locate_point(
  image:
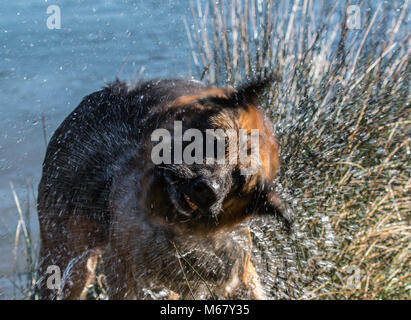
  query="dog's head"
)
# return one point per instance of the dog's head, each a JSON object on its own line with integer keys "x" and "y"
{"x": 215, "y": 159}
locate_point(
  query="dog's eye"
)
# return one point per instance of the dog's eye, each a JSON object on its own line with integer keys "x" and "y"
{"x": 238, "y": 179}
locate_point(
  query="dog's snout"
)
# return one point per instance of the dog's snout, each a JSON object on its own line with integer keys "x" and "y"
{"x": 204, "y": 192}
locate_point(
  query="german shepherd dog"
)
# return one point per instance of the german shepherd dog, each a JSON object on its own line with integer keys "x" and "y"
{"x": 164, "y": 231}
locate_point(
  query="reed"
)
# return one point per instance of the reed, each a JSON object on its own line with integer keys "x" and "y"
{"x": 26, "y": 246}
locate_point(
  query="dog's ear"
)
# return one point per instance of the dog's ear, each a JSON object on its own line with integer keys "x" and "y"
{"x": 251, "y": 91}
{"x": 269, "y": 203}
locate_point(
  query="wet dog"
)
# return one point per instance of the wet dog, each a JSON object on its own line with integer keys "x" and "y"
{"x": 165, "y": 230}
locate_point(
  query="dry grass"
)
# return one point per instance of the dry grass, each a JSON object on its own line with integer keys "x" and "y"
{"x": 25, "y": 246}
{"x": 341, "y": 114}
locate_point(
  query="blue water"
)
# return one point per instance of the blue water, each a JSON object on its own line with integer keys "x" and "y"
{"x": 56, "y": 68}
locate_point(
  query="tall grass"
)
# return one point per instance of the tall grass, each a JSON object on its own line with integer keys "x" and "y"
{"x": 25, "y": 243}
{"x": 25, "y": 246}
{"x": 341, "y": 114}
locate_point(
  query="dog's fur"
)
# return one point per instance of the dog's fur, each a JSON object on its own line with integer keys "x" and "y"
{"x": 101, "y": 193}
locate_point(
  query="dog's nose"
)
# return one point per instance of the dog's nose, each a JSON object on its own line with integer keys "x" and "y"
{"x": 204, "y": 192}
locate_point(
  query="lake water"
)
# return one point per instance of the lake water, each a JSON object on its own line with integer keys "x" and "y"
{"x": 57, "y": 68}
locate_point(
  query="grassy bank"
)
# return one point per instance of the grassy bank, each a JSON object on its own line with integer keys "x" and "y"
{"x": 340, "y": 113}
